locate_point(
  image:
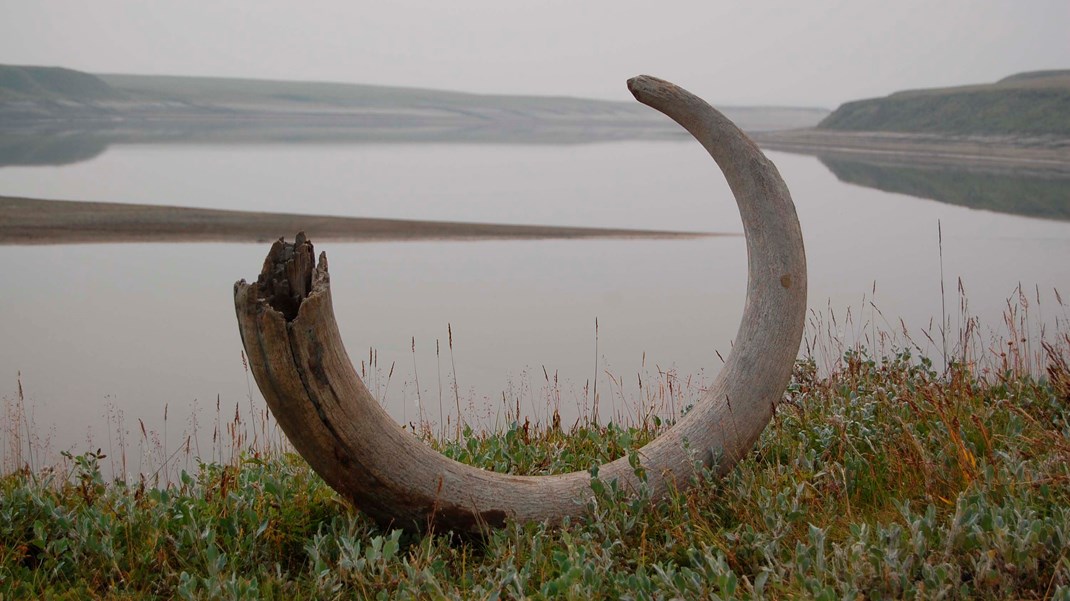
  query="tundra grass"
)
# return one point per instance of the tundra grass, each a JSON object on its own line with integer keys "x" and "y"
{"x": 882, "y": 479}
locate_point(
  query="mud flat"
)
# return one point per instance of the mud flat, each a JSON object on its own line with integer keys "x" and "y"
{"x": 37, "y": 221}
{"x": 1040, "y": 153}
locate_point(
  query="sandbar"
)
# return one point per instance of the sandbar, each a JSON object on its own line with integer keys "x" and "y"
{"x": 38, "y": 221}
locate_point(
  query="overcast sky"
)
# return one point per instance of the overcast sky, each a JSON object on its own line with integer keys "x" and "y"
{"x": 808, "y": 53}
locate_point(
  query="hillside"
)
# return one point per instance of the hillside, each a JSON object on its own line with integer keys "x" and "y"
{"x": 52, "y": 84}
{"x": 1026, "y": 104}
{"x": 296, "y": 95}
{"x": 32, "y": 96}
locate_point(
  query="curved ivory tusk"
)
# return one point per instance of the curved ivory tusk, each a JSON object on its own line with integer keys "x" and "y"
{"x": 296, "y": 354}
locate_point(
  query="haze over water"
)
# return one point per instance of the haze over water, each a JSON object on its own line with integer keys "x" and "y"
{"x": 132, "y": 327}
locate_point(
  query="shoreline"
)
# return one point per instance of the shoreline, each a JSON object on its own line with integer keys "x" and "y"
{"x": 1043, "y": 155}
{"x": 31, "y": 221}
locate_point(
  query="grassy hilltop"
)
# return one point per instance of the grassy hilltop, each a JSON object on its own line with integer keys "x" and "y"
{"x": 1035, "y": 103}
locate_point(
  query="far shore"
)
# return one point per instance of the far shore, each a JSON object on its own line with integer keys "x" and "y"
{"x": 27, "y": 221}
{"x": 1040, "y": 154}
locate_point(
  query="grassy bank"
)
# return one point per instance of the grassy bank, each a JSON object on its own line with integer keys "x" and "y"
{"x": 1026, "y": 104}
{"x": 884, "y": 477}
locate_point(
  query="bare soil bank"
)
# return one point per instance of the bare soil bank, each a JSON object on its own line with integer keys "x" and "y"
{"x": 1036, "y": 153}
{"x": 36, "y": 221}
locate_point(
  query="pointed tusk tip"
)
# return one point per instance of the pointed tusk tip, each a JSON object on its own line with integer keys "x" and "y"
{"x": 638, "y": 84}
{"x": 647, "y": 86}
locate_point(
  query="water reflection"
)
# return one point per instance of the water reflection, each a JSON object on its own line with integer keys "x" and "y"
{"x": 143, "y": 329}
{"x": 1042, "y": 194}
{"x": 55, "y": 147}
{"x": 51, "y": 150}
{"x": 1038, "y": 193}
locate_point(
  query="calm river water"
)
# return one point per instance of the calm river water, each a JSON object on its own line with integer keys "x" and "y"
{"x": 103, "y": 331}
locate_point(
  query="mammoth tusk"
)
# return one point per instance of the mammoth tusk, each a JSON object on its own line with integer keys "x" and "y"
{"x": 295, "y": 351}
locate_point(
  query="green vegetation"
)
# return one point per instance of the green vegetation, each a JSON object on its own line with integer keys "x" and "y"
{"x": 1024, "y": 104}
{"x": 1046, "y": 197}
{"x": 882, "y": 479}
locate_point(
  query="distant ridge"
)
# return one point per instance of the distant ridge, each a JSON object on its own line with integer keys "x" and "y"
{"x": 1051, "y": 74}
{"x": 32, "y": 97}
{"x": 52, "y": 83}
{"x": 1035, "y": 103}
